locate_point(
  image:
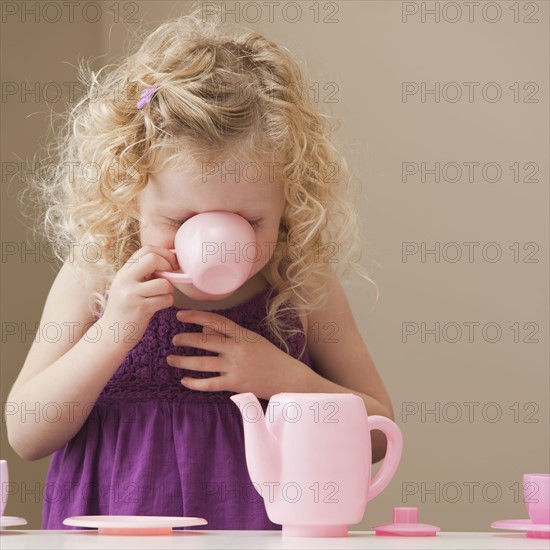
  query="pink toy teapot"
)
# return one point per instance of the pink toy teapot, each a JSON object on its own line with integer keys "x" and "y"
{"x": 310, "y": 458}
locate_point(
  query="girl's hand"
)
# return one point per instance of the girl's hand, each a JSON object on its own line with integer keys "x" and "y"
{"x": 135, "y": 294}
{"x": 247, "y": 362}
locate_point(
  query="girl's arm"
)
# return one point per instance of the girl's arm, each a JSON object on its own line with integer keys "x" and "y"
{"x": 342, "y": 361}
{"x": 70, "y": 361}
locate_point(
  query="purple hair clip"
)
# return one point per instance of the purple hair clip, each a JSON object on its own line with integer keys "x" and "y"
{"x": 146, "y": 96}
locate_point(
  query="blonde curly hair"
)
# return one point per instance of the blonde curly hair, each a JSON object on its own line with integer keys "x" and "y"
{"x": 217, "y": 96}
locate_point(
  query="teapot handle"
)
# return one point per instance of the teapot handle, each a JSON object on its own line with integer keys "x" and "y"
{"x": 393, "y": 453}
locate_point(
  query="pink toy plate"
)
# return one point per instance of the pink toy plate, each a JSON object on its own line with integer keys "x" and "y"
{"x": 133, "y": 525}
{"x": 534, "y": 530}
{"x": 9, "y": 521}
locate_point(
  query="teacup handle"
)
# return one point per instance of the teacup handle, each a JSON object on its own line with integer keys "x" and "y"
{"x": 174, "y": 277}
{"x": 393, "y": 453}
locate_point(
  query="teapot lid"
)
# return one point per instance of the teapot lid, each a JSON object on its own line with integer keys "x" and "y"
{"x": 405, "y": 524}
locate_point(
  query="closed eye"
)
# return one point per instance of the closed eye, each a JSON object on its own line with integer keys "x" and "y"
{"x": 176, "y": 223}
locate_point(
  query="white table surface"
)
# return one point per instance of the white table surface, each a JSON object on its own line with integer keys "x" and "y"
{"x": 14, "y": 539}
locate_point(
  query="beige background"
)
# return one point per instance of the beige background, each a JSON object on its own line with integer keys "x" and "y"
{"x": 462, "y": 473}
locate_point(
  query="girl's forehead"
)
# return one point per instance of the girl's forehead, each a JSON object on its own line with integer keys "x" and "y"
{"x": 255, "y": 175}
{"x": 215, "y": 186}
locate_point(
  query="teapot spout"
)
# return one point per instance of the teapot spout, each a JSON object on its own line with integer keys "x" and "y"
{"x": 261, "y": 448}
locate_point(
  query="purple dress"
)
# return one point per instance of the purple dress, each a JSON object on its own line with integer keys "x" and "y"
{"x": 152, "y": 447}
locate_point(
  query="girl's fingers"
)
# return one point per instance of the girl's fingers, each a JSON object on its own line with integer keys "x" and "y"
{"x": 211, "y": 341}
{"x": 152, "y": 258}
{"x": 214, "y": 383}
{"x": 198, "y": 363}
{"x": 212, "y": 322}
{"x": 156, "y": 287}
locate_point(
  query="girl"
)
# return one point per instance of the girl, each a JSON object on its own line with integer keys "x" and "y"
{"x": 141, "y": 375}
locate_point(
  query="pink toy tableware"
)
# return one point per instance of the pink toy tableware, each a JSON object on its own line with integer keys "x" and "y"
{"x": 4, "y": 480}
{"x": 533, "y": 530}
{"x": 215, "y": 251}
{"x": 133, "y": 525}
{"x": 7, "y": 521}
{"x": 11, "y": 521}
{"x": 405, "y": 524}
{"x": 536, "y": 493}
{"x": 310, "y": 459}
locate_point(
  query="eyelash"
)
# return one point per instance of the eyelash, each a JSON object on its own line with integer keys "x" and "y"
{"x": 177, "y": 223}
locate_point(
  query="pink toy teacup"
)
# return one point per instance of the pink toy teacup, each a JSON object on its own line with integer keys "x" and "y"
{"x": 536, "y": 492}
{"x": 212, "y": 252}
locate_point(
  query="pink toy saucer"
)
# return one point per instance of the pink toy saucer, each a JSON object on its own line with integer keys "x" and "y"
{"x": 9, "y": 521}
{"x": 534, "y": 530}
{"x": 405, "y": 524}
{"x": 133, "y": 525}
